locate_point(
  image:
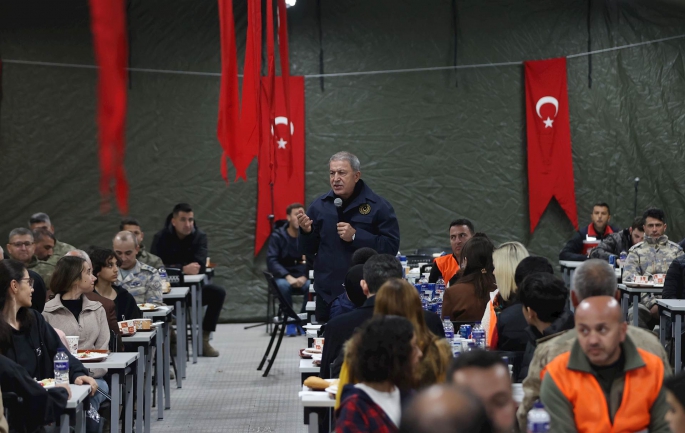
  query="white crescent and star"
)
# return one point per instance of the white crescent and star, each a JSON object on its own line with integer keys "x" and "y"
{"x": 547, "y": 100}
{"x": 282, "y": 120}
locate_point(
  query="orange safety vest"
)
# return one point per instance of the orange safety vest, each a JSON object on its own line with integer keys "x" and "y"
{"x": 491, "y": 332}
{"x": 590, "y": 408}
{"x": 448, "y": 266}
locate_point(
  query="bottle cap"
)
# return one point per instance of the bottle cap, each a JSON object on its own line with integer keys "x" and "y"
{"x": 538, "y": 405}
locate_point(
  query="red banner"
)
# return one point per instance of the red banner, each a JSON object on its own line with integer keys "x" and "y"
{"x": 550, "y": 163}
{"x": 108, "y": 25}
{"x": 281, "y": 139}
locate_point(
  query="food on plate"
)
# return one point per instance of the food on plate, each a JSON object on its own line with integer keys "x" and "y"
{"x": 316, "y": 383}
{"x": 47, "y": 383}
{"x": 147, "y": 306}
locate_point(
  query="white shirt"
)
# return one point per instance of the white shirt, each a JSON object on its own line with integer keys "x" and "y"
{"x": 388, "y": 401}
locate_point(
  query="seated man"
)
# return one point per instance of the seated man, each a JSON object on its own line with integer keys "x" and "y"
{"x": 45, "y": 244}
{"x": 487, "y": 376}
{"x": 354, "y": 296}
{"x": 285, "y": 262}
{"x": 652, "y": 256}
{"x": 598, "y": 229}
{"x": 180, "y": 244}
{"x": 616, "y": 243}
{"x": 593, "y": 278}
{"x": 140, "y": 280}
{"x": 629, "y": 397}
{"x": 545, "y": 299}
{"x": 447, "y": 266}
{"x": 22, "y": 247}
{"x": 42, "y": 220}
{"x": 132, "y": 225}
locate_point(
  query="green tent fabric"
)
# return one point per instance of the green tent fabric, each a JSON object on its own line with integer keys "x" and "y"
{"x": 434, "y": 149}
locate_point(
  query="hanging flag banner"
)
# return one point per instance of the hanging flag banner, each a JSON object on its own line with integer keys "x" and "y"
{"x": 550, "y": 162}
{"x": 279, "y": 184}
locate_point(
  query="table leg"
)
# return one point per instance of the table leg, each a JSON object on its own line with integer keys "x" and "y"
{"x": 180, "y": 356}
{"x": 128, "y": 380}
{"x": 160, "y": 374}
{"x": 662, "y": 328}
{"x": 80, "y": 424}
{"x": 64, "y": 423}
{"x": 140, "y": 378}
{"x": 625, "y": 299}
{"x": 167, "y": 363}
{"x": 678, "y": 347}
{"x": 116, "y": 402}
{"x": 313, "y": 422}
{"x": 570, "y": 278}
{"x": 636, "y": 302}
{"x": 193, "y": 320}
{"x": 148, "y": 389}
{"x": 200, "y": 311}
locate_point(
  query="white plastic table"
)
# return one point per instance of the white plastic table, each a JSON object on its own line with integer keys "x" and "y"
{"x": 178, "y": 295}
{"x": 567, "y": 269}
{"x": 675, "y": 309}
{"x": 75, "y": 408}
{"x": 315, "y": 404}
{"x": 162, "y": 343}
{"x": 195, "y": 282}
{"x": 627, "y": 292}
{"x": 143, "y": 341}
{"x": 120, "y": 364}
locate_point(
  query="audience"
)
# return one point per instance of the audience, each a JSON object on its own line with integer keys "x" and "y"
{"x": 652, "y": 256}
{"x": 505, "y": 259}
{"x": 466, "y": 299}
{"x": 599, "y": 228}
{"x": 75, "y": 314}
{"x": 140, "y": 280}
{"x": 383, "y": 354}
{"x": 45, "y": 244}
{"x": 545, "y": 300}
{"x": 40, "y": 292}
{"x": 447, "y": 266}
{"x": 360, "y": 256}
{"x": 487, "y": 376}
{"x": 106, "y": 270}
{"x": 132, "y": 225}
{"x": 21, "y": 247}
{"x": 593, "y": 278}
{"x": 675, "y": 397}
{"x": 616, "y": 243}
{"x": 444, "y": 409}
{"x": 41, "y": 220}
{"x": 353, "y": 297}
{"x": 286, "y": 263}
{"x": 604, "y": 354}
{"x": 180, "y": 244}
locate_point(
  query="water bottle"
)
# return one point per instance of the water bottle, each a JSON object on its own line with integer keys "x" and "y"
{"x": 440, "y": 288}
{"x": 478, "y": 334}
{"x": 438, "y": 308}
{"x": 165, "y": 278}
{"x": 61, "y": 364}
{"x": 538, "y": 419}
{"x": 622, "y": 259}
{"x": 405, "y": 266}
{"x": 449, "y": 328}
{"x": 456, "y": 345}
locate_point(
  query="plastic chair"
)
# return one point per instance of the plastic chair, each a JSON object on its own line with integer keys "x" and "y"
{"x": 286, "y": 316}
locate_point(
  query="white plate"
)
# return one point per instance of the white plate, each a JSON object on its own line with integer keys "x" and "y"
{"x": 333, "y": 390}
{"x": 315, "y": 327}
{"x": 91, "y": 357}
{"x": 50, "y": 384}
{"x": 148, "y": 307}
{"x": 312, "y": 351}
{"x": 645, "y": 285}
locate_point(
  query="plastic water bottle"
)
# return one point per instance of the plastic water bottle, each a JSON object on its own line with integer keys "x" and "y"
{"x": 449, "y": 328}
{"x": 456, "y": 346}
{"x": 622, "y": 259}
{"x": 478, "y": 334}
{"x": 538, "y": 419}
{"x": 61, "y": 365}
{"x": 405, "y": 266}
{"x": 440, "y": 288}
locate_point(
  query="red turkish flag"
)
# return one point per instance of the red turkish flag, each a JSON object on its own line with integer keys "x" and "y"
{"x": 550, "y": 163}
{"x": 280, "y": 143}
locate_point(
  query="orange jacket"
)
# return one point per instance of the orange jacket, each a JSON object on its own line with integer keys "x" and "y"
{"x": 448, "y": 266}
{"x": 590, "y": 409}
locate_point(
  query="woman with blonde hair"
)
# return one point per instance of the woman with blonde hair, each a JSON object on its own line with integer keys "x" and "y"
{"x": 505, "y": 258}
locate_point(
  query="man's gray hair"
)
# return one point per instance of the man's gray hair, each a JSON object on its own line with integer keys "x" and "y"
{"x": 80, "y": 253}
{"x": 594, "y": 277}
{"x": 347, "y": 156}
{"x": 40, "y": 217}
{"x": 20, "y": 231}
{"x": 126, "y": 236}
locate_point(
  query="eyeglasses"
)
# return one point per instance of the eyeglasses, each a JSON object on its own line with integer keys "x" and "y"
{"x": 30, "y": 280}
{"x": 21, "y": 244}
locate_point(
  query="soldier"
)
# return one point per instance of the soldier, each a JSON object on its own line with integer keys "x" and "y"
{"x": 45, "y": 244}
{"x": 144, "y": 256}
{"x": 652, "y": 256}
{"x": 615, "y": 243}
{"x": 41, "y": 220}
{"x": 141, "y": 280}
{"x": 21, "y": 247}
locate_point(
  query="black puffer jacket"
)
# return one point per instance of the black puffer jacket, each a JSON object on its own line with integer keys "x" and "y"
{"x": 176, "y": 252}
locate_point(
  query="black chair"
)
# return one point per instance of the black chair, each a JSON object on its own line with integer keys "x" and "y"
{"x": 11, "y": 403}
{"x": 286, "y": 316}
{"x": 413, "y": 260}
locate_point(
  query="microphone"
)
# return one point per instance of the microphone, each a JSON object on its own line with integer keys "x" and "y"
{"x": 637, "y": 181}
{"x": 338, "y": 205}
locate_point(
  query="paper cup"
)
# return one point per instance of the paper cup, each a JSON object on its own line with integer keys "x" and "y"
{"x": 143, "y": 324}
{"x": 72, "y": 341}
{"x": 127, "y": 327}
{"x": 659, "y": 278}
{"x": 641, "y": 279}
{"x": 318, "y": 343}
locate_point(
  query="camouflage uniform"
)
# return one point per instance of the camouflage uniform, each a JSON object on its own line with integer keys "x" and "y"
{"x": 44, "y": 269}
{"x": 149, "y": 259}
{"x": 144, "y": 283}
{"x": 652, "y": 256}
{"x": 61, "y": 249}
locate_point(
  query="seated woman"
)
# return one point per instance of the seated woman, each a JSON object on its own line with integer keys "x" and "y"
{"x": 512, "y": 335}
{"x": 399, "y": 298}
{"x": 106, "y": 268}
{"x": 75, "y": 314}
{"x": 465, "y": 300}
{"x": 26, "y": 338}
{"x": 382, "y": 356}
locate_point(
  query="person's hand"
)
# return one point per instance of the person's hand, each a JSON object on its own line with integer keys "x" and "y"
{"x": 192, "y": 268}
{"x": 346, "y": 231}
{"x": 87, "y": 380}
{"x": 292, "y": 281}
{"x": 304, "y": 221}
{"x": 65, "y": 386}
{"x": 302, "y": 280}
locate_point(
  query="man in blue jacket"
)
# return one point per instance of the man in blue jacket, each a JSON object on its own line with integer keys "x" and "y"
{"x": 333, "y": 233}
{"x": 285, "y": 262}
